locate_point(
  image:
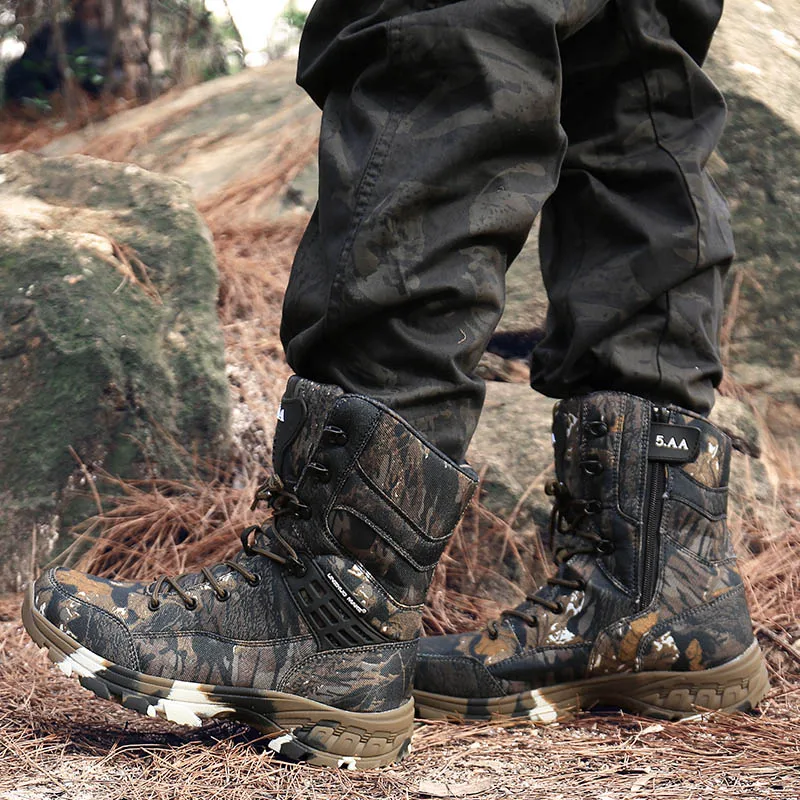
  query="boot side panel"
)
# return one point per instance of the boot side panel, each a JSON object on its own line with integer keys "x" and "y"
{"x": 396, "y": 504}
{"x": 204, "y": 658}
{"x": 360, "y": 592}
{"x": 700, "y": 638}
{"x": 696, "y": 567}
{"x": 374, "y": 678}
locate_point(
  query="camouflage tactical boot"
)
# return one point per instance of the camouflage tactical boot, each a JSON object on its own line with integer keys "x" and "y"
{"x": 647, "y": 610}
{"x": 311, "y": 631}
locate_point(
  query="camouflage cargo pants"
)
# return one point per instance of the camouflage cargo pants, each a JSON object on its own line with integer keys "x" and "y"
{"x": 447, "y": 127}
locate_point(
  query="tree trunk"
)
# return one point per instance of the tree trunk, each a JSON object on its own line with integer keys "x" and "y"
{"x": 59, "y": 47}
{"x": 30, "y": 14}
{"x": 134, "y": 47}
{"x": 182, "y": 45}
{"x": 127, "y": 26}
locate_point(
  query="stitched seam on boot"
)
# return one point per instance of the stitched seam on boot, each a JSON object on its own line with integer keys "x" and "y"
{"x": 691, "y": 553}
{"x": 377, "y": 586}
{"x": 666, "y": 535}
{"x": 670, "y": 622}
{"x": 392, "y": 544}
{"x": 585, "y": 645}
{"x": 689, "y": 503}
{"x": 481, "y": 671}
{"x": 702, "y": 485}
{"x": 390, "y": 412}
{"x": 388, "y": 500}
{"x": 325, "y": 527}
{"x": 222, "y": 639}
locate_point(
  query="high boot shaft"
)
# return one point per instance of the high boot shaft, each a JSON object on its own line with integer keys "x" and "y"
{"x": 377, "y": 504}
{"x": 311, "y": 629}
{"x": 639, "y": 523}
{"x": 655, "y": 483}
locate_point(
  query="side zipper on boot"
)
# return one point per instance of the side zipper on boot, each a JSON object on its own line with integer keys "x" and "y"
{"x": 651, "y": 545}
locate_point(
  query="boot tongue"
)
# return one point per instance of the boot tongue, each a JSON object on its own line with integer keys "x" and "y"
{"x": 291, "y": 416}
{"x": 301, "y": 417}
{"x": 566, "y": 440}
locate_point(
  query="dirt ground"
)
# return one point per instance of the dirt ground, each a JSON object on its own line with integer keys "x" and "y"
{"x": 58, "y": 742}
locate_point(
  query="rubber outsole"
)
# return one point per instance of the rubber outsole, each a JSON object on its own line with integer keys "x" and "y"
{"x": 738, "y": 685}
{"x": 306, "y": 731}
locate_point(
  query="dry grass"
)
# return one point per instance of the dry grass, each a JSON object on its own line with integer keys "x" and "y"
{"x": 26, "y": 129}
{"x": 57, "y": 741}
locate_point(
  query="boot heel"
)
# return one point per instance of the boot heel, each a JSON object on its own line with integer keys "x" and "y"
{"x": 345, "y": 738}
{"x": 738, "y": 685}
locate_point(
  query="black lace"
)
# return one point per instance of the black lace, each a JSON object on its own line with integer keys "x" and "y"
{"x": 566, "y": 518}
{"x": 283, "y": 503}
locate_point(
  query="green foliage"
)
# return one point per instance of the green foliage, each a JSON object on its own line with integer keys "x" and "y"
{"x": 297, "y": 19}
{"x": 84, "y": 68}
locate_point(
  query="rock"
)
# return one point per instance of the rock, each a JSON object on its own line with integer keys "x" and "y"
{"x": 217, "y": 135}
{"x": 738, "y": 421}
{"x": 496, "y": 368}
{"x": 526, "y": 298}
{"x": 109, "y": 342}
{"x": 512, "y": 451}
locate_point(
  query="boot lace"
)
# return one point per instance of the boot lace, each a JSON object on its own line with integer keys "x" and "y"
{"x": 283, "y": 503}
{"x": 566, "y": 519}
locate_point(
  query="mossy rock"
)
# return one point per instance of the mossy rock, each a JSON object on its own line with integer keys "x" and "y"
{"x": 111, "y": 352}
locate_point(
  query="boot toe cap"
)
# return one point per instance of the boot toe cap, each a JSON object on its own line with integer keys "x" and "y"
{"x": 59, "y": 597}
{"x": 442, "y": 670}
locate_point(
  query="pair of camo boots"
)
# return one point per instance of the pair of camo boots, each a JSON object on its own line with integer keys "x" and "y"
{"x": 311, "y": 632}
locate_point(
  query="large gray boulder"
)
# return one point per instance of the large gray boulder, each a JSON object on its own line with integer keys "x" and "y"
{"x": 111, "y": 354}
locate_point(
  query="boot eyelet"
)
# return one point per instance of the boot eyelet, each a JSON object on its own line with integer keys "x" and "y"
{"x": 581, "y": 587}
{"x": 224, "y": 596}
{"x": 334, "y": 436}
{"x": 559, "y": 608}
{"x": 153, "y": 605}
{"x": 593, "y": 507}
{"x": 592, "y": 467}
{"x": 254, "y": 581}
{"x": 596, "y": 428}
{"x": 303, "y": 512}
{"x": 553, "y": 488}
{"x": 192, "y": 604}
{"x": 298, "y": 568}
{"x": 321, "y": 471}
{"x": 605, "y": 547}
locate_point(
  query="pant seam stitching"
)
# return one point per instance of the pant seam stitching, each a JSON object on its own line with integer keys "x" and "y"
{"x": 369, "y": 178}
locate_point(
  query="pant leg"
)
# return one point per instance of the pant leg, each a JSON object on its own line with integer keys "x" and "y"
{"x": 636, "y": 240}
{"x": 440, "y": 142}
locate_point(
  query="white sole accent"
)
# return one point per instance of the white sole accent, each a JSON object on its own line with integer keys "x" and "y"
{"x": 279, "y": 741}
{"x": 543, "y": 711}
{"x": 186, "y": 703}
{"x": 82, "y": 662}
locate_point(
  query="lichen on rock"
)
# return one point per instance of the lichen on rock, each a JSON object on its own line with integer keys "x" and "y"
{"x": 110, "y": 344}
